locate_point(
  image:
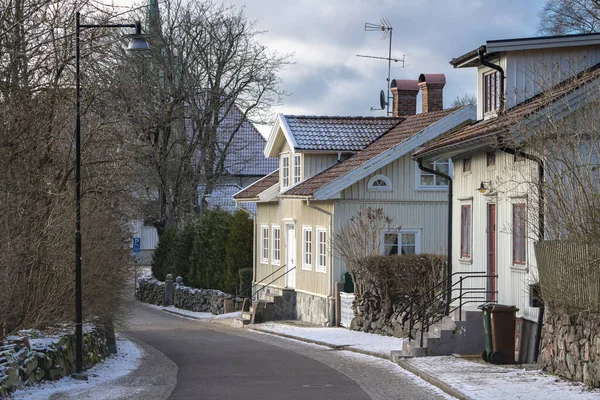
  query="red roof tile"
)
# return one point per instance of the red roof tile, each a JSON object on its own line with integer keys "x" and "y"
{"x": 410, "y": 126}
{"x": 481, "y": 130}
{"x": 252, "y": 191}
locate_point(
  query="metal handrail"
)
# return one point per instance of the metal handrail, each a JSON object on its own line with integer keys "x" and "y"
{"x": 262, "y": 279}
{"x": 265, "y": 286}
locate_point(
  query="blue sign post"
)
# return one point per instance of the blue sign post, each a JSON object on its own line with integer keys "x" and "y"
{"x": 137, "y": 248}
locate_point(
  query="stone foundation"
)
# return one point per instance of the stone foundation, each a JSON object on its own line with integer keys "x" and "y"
{"x": 571, "y": 346}
{"x": 25, "y": 360}
{"x": 312, "y": 308}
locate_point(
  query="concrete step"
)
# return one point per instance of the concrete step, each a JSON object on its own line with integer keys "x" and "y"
{"x": 412, "y": 349}
{"x": 239, "y": 322}
{"x": 246, "y": 316}
{"x": 466, "y": 314}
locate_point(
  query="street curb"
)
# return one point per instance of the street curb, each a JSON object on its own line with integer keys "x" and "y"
{"x": 211, "y": 320}
{"x": 331, "y": 346}
{"x": 433, "y": 380}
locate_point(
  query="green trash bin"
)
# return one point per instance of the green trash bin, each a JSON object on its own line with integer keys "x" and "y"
{"x": 348, "y": 284}
{"x": 487, "y": 330}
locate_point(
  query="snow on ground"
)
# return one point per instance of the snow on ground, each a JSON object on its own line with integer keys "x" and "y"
{"x": 115, "y": 366}
{"x": 367, "y": 342}
{"x": 487, "y": 381}
{"x": 197, "y": 314}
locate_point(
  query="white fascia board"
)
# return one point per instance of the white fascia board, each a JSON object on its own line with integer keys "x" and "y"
{"x": 280, "y": 124}
{"x": 264, "y": 177}
{"x": 541, "y": 43}
{"x": 269, "y": 194}
{"x": 459, "y": 117}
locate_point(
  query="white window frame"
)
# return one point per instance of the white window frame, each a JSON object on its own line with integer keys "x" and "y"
{"x": 386, "y": 188}
{"x": 307, "y": 248}
{"x": 276, "y": 245}
{"x": 285, "y": 171}
{"x": 469, "y": 234}
{"x": 321, "y": 256}
{"x": 297, "y": 168}
{"x": 264, "y": 244}
{"x": 415, "y": 231}
{"x": 418, "y": 173}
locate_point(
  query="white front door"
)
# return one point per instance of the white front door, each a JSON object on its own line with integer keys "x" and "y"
{"x": 290, "y": 253}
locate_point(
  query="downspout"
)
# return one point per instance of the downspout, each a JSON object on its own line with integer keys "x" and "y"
{"x": 331, "y": 266}
{"x": 253, "y": 215}
{"x": 449, "y": 268}
{"x": 497, "y": 68}
{"x": 540, "y": 163}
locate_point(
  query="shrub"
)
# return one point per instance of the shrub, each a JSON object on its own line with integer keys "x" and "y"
{"x": 238, "y": 254}
{"x": 165, "y": 254}
{"x": 245, "y": 277}
{"x": 392, "y": 278}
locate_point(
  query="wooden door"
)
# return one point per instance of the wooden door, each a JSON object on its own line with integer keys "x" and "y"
{"x": 290, "y": 277}
{"x": 493, "y": 287}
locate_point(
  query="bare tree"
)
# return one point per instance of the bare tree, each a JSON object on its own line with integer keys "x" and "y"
{"x": 464, "y": 99}
{"x": 206, "y": 77}
{"x": 562, "y": 17}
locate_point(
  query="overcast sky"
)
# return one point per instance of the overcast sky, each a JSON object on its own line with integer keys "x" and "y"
{"x": 325, "y": 35}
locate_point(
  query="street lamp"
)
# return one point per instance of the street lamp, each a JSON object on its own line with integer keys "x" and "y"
{"x": 137, "y": 43}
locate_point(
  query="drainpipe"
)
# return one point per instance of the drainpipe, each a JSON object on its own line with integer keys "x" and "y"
{"x": 253, "y": 241}
{"x": 331, "y": 267}
{"x": 540, "y": 163}
{"x": 449, "y": 268}
{"x": 497, "y": 68}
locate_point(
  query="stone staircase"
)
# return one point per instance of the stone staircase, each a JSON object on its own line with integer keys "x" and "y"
{"x": 451, "y": 335}
{"x": 274, "y": 305}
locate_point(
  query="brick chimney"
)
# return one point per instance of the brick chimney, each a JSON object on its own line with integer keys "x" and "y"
{"x": 432, "y": 89}
{"x": 405, "y": 97}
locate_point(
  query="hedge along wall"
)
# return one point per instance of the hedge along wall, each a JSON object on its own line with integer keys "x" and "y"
{"x": 187, "y": 298}
{"x": 25, "y": 361}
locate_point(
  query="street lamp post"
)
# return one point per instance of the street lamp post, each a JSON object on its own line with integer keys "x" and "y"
{"x": 137, "y": 43}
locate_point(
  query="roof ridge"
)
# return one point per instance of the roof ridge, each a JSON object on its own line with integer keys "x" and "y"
{"x": 341, "y": 117}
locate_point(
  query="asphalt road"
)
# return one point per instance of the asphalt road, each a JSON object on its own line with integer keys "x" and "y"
{"x": 219, "y": 362}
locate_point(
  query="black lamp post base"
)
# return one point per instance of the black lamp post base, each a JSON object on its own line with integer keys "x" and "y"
{"x": 80, "y": 376}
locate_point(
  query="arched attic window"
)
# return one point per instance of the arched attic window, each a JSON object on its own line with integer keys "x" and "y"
{"x": 379, "y": 183}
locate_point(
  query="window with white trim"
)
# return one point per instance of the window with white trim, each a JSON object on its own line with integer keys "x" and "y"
{"x": 276, "y": 245}
{"x": 321, "y": 250}
{"x": 519, "y": 238}
{"x": 307, "y": 248}
{"x": 465, "y": 231}
{"x": 285, "y": 171}
{"x": 264, "y": 244}
{"x": 296, "y": 177}
{"x": 405, "y": 241}
{"x": 379, "y": 183}
{"x": 490, "y": 92}
{"x": 426, "y": 180}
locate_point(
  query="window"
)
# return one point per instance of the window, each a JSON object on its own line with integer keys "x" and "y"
{"x": 322, "y": 250}
{"x": 425, "y": 180}
{"x": 465, "y": 231}
{"x": 379, "y": 183}
{"x": 406, "y": 241}
{"x": 276, "y": 245}
{"x": 285, "y": 171}
{"x": 490, "y": 91}
{"x": 264, "y": 240}
{"x": 296, "y": 169}
{"x": 518, "y": 235}
{"x": 307, "y": 248}
{"x": 491, "y": 159}
{"x": 467, "y": 165}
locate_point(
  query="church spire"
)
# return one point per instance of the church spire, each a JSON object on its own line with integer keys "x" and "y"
{"x": 153, "y": 20}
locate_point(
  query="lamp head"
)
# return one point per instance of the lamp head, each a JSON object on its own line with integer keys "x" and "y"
{"x": 482, "y": 189}
{"x": 137, "y": 42}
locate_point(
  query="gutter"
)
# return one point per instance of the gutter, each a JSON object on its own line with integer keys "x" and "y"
{"x": 540, "y": 163}
{"x": 481, "y": 52}
{"x": 449, "y": 268}
{"x": 331, "y": 266}
{"x": 253, "y": 240}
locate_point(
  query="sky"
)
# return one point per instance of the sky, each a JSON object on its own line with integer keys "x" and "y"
{"x": 327, "y": 78}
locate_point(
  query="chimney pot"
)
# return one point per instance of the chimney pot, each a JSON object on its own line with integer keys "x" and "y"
{"x": 432, "y": 89}
{"x": 405, "y": 97}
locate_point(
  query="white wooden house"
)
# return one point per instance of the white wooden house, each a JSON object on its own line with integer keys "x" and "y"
{"x": 519, "y": 80}
{"x": 329, "y": 168}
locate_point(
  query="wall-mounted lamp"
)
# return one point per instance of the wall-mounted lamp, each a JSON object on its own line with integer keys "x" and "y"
{"x": 483, "y": 189}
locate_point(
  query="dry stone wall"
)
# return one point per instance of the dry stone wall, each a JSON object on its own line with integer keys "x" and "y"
{"x": 187, "y": 298}
{"x": 25, "y": 360}
{"x": 571, "y": 346}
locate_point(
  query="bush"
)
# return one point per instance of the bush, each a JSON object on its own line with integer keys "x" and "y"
{"x": 393, "y": 278}
{"x": 165, "y": 254}
{"x": 238, "y": 254}
{"x": 245, "y": 276}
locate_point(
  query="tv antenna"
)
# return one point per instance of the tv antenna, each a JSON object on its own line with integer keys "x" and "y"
{"x": 387, "y": 29}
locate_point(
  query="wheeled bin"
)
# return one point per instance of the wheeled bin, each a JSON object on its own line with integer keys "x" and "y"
{"x": 499, "y": 328}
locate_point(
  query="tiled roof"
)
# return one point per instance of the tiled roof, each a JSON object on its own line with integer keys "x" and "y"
{"x": 337, "y": 133}
{"x": 486, "y": 129}
{"x": 252, "y": 191}
{"x": 408, "y": 127}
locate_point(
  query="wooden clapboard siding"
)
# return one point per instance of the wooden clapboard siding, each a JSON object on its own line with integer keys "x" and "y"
{"x": 314, "y": 163}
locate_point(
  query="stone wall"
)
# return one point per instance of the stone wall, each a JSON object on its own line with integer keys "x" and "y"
{"x": 201, "y": 300}
{"x": 368, "y": 317}
{"x": 25, "y": 360}
{"x": 571, "y": 346}
{"x": 312, "y": 308}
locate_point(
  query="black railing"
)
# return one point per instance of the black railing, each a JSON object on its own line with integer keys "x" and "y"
{"x": 251, "y": 288}
{"x": 440, "y": 300}
{"x": 255, "y": 293}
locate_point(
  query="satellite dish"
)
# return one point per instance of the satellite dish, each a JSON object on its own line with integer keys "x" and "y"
{"x": 382, "y": 99}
